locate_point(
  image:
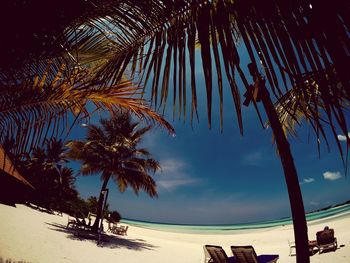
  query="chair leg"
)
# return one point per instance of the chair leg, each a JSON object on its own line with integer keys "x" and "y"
{"x": 291, "y": 250}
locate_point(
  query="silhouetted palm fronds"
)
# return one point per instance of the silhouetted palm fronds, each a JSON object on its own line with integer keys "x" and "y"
{"x": 158, "y": 40}
{"x": 37, "y": 109}
{"x": 318, "y": 98}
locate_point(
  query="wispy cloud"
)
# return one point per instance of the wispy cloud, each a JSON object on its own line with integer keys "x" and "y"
{"x": 307, "y": 180}
{"x": 313, "y": 203}
{"x": 331, "y": 176}
{"x": 343, "y": 137}
{"x": 150, "y": 140}
{"x": 253, "y": 159}
{"x": 173, "y": 165}
{"x": 174, "y": 174}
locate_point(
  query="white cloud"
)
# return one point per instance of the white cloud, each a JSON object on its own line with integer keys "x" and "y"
{"x": 172, "y": 183}
{"x": 172, "y": 166}
{"x": 150, "y": 140}
{"x": 254, "y": 158}
{"x": 331, "y": 176}
{"x": 343, "y": 137}
{"x": 307, "y": 180}
{"x": 174, "y": 174}
{"x": 313, "y": 203}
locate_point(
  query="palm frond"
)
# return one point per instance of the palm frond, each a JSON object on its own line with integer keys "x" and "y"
{"x": 155, "y": 40}
{"x": 111, "y": 149}
{"x": 157, "y": 37}
{"x": 309, "y": 100}
{"x": 38, "y": 109}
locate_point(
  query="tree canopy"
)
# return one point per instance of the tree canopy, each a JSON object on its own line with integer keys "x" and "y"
{"x": 112, "y": 150}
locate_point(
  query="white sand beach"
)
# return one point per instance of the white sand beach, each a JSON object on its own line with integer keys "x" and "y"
{"x": 34, "y": 236}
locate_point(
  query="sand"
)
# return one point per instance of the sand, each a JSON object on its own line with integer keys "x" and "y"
{"x": 34, "y": 236}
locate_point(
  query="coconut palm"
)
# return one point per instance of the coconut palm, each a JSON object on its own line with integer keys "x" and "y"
{"x": 66, "y": 189}
{"x": 53, "y": 183}
{"x": 37, "y": 109}
{"x": 306, "y": 101}
{"x": 283, "y": 40}
{"x": 112, "y": 151}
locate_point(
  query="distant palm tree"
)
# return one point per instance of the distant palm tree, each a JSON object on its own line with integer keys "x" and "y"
{"x": 112, "y": 151}
{"x": 49, "y": 103}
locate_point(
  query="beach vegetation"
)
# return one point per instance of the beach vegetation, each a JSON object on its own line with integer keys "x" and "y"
{"x": 53, "y": 182}
{"x": 112, "y": 151}
{"x": 92, "y": 202}
{"x": 114, "y": 217}
{"x": 47, "y": 104}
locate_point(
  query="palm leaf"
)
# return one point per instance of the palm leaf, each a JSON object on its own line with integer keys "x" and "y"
{"x": 284, "y": 39}
{"x": 307, "y": 101}
{"x": 35, "y": 110}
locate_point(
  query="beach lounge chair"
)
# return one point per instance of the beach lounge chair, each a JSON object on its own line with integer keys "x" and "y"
{"x": 207, "y": 257}
{"x": 312, "y": 247}
{"x": 121, "y": 230}
{"x": 246, "y": 254}
{"x": 74, "y": 222}
{"x": 118, "y": 230}
{"x": 71, "y": 222}
{"x": 78, "y": 223}
{"x": 326, "y": 240}
{"x": 291, "y": 247}
{"x": 218, "y": 255}
{"x": 111, "y": 227}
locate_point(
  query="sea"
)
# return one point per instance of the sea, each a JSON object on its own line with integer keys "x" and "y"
{"x": 312, "y": 218}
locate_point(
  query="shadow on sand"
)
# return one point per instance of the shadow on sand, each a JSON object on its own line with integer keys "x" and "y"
{"x": 315, "y": 251}
{"x": 110, "y": 241}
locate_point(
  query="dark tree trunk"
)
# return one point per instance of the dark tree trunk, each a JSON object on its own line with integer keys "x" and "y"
{"x": 100, "y": 207}
{"x": 291, "y": 177}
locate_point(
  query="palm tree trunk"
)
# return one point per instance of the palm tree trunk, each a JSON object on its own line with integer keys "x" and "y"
{"x": 291, "y": 176}
{"x": 100, "y": 204}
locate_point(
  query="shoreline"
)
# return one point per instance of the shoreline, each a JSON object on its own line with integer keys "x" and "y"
{"x": 232, "y": 228}
{"x": 33, "y": 236}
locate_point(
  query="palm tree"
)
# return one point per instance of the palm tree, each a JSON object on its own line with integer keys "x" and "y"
{"x": 52, "y": 182}
{"x": 66, "y": 190}
{"x": 283, "y": 39}
{"x": 40, "y": 107}
{"x": 306, "y": 102}
{"x": 112, "y": 150}
{"x": 63, "y": 180}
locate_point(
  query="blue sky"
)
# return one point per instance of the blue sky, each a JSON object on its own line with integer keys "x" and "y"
{"x": 209, "y": 177}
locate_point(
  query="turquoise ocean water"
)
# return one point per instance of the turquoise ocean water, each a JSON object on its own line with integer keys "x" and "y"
{"x": 325, "y": 215}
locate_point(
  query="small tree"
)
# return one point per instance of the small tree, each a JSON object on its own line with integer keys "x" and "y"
{"x": 114, "y": 217}
{"x": 112, "y": 151}
{"x": 91, "y": 203}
